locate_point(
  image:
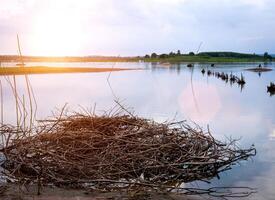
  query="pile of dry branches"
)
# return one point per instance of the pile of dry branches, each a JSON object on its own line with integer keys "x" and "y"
{"x": 118, "y": 151}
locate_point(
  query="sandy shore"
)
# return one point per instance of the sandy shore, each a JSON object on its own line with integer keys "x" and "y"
{"x": 51, "y": 70}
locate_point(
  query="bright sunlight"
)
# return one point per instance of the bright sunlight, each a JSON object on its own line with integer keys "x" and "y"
{"x": 57, "y": 33}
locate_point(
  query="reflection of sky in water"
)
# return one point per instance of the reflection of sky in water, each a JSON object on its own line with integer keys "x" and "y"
{"x": 200, "y": 102}
{"x": 163, "y": 93}
{"x": 272, "y": 135}
{"x": 80, "y": 64}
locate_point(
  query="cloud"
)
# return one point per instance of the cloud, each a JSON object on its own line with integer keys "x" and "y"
{"x": 11, "y": 8}
{"x": 272, "y": 134}
{"x": 256, "y": 3}
{"x": 141, "y": 26}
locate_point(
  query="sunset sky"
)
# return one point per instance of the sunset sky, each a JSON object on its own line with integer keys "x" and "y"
{"x": 136, "y": 27}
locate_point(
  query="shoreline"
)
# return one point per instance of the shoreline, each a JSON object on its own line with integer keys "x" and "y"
{"x": 199, "y": 60}
{"x": 13, "y": 191}
{"x": 56, "y": 70}
{"x": 167, "y": 58}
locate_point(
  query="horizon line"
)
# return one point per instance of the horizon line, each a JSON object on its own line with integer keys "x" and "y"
{"x": 113, "y": 56}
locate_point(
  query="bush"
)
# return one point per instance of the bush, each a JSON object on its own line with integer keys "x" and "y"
{"x": 164, "y": 56}
{"x": 154, "y": 55}
{"x": 146, "y": 56}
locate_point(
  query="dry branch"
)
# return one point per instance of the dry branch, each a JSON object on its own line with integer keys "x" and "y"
{"x": 116, "y": 151}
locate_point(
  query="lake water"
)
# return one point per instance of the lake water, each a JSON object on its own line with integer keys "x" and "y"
{"x": 164, "y": 92}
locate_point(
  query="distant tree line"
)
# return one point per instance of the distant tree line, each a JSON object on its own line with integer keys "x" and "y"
{"x": 266, "y": 56}
{"x": 234, "y": 55}
{"x": 169, "y": 55}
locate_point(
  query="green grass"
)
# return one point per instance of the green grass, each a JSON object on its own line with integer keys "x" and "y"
{"x": 208, "y": 59}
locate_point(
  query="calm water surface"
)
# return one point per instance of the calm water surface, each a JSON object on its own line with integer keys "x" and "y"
{"x": 165, "y": 92}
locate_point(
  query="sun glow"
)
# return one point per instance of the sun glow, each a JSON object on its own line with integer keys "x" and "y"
{"x": 56, "y": 33}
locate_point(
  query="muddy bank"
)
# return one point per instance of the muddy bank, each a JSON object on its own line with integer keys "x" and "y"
{"x": 13, "y": 192}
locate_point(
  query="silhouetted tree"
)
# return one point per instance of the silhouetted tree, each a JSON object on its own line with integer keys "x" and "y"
{"x": 267, "y": 56}
{"x": 154, "y": 55}
{"x": 191, "y": 53}
{"x": 172, "y": 54}
{"x": 147, "y": 56}
{"x": 163, "y": 55}
{"x": 178, "y": 53}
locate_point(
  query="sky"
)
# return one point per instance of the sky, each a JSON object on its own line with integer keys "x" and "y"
{"x": 135, "y": 27}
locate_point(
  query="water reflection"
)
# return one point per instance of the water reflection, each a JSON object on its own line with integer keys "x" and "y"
{"x": 162, "y": 91}
{"x": 272, "y": 135}
{"x": 232, "y": 79}
{"x": 271, "y": 93}
{"x": 202, "y": 105}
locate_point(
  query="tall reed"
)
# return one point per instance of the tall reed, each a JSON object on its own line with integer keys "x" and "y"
{"x": 16, "y": 101}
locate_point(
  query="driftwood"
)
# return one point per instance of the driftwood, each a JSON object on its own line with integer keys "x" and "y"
{"x": 227, "y": 77}
{"x": 116, "y": 151}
